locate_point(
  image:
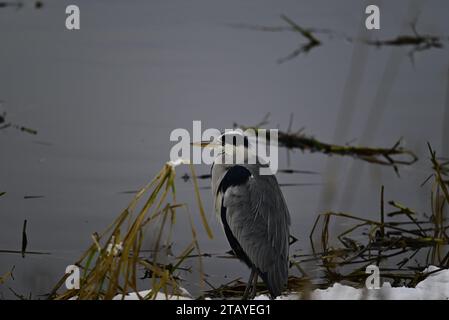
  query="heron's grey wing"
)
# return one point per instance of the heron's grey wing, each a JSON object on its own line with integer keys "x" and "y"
{"x": 259, "y": 220}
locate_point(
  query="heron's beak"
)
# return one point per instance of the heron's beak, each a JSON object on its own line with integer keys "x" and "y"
{"x": 205, "y": 144}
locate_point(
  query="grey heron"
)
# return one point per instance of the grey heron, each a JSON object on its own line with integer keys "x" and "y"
{"x": 253, "y": 213}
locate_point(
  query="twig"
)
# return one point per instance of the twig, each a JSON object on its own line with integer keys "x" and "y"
{"x": 382, "y": 156}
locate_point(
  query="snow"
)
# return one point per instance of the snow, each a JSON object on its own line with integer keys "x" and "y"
{"x": 434, "y": 287}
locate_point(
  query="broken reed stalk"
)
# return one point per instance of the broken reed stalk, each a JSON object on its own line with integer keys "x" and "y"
{"x": 381, "y": 156}
{"x": 109, "y": 266}
{"x": 18, "y": 127}
{"x": 418, "y": 42}
{"x": 312, "y": 41}
{"x": 384, "y": 241}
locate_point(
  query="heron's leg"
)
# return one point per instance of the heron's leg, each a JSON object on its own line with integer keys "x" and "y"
{"x": 249, "y": 284}
{"x": 254, "y": 285}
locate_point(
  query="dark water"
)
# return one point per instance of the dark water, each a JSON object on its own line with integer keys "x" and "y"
{"x": 104, "y": 100}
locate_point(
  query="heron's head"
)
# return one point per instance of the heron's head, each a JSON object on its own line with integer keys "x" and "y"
{"x": 231, "y": 143}
{"x": 233, "y": 139}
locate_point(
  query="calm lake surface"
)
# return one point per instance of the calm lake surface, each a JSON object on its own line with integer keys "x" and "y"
{"x": 104, "y": 100}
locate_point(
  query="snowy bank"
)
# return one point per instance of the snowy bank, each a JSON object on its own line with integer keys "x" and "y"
{"x": 434, "y": 287}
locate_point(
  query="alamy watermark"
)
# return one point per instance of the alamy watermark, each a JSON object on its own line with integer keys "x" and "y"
{"x": 72, "y": 21}
{"x": 373, "y": 280}
{"x": 372, "y": 21}
{"x": 73, "y": 277}
{"x": 233, "y": 146}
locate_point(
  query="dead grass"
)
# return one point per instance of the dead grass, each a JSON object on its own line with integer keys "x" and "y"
{"x": 110, "y": 265}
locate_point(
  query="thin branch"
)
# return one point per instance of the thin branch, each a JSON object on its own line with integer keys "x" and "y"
{"x": 382, "y": 156}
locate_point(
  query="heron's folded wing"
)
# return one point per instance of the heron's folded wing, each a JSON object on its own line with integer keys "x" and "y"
{"x": 258, "y": 218}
